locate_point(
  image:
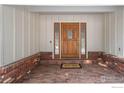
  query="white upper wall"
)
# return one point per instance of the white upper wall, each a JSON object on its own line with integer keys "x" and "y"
{"x": 95, "y": 29}
{"x": 20, "y": 34}
{"x": 1, "y": 28}
{"x": 114, "y": 32}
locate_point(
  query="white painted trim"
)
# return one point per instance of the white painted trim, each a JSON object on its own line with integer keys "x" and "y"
{"x": 53, "y": 43}
{"x": 60, "y": 42}
{"x": 80, "y": 40}
{"x": 86, "y": 47}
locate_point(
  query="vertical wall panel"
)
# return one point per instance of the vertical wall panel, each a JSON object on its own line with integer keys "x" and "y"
{"x": 113, "y": 43}
{"x": 52, "y": 34}
{"x": 32, "y": 34}
{"x": 26, "y": 34}
{"x": 8, "y": 35}
{"x": 23, "y": 33}
{"x": 37, "y": 32}
{"x": 123, "y": 30}
{"x": 1, "y": 32}
{"x": 43, "y": 34}
{"x": 18, "y": 34}
{"x": 114, "y": 32}
{"x": 109, "y": 29}
{"x": 49, "y": 32}
{"x": 29, "y": 33}
{"x": 106, "y": 33}
{"x": 119, "y": 32}
{"x": 110, "y": 33}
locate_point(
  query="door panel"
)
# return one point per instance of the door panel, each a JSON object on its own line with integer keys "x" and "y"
{"x": 70, "y": 40}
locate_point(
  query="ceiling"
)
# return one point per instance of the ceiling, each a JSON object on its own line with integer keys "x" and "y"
{"x": 69, "y": 9}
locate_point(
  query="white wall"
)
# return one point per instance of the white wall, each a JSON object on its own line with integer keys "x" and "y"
{"x": 114, "y": 32}
{"x": 8, "y": 35}
{"x": 95, "y": 29}
{"x": 20, "y": 34}
{"x": 1, "y": 31}
{"x": 119, "y": 28}
{"x": 23, "y": 33}
{"x": 123, "y": 30}
{"x": 110, "y": 32}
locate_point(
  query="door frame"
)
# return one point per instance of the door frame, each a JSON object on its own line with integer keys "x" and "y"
{"x": 60, "y": 33}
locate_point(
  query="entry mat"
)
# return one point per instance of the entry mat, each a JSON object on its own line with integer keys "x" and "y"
{"x": 71, "y": 66}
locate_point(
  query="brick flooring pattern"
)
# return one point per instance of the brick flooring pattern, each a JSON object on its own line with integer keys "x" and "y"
{"x": 93, "y": 73}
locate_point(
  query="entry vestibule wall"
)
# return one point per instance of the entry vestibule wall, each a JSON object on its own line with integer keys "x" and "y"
{"x": 19, "y": 34}
{"x": 24, "y": 33}
{"x": 114, "y": 32}
{"x": 95, "y": 30}
{"x": 1, "y": 36}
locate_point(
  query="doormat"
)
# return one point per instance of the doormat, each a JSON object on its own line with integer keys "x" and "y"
{"x": 71, "y": 66}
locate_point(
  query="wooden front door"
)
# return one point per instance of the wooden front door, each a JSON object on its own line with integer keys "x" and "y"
{"x": 69, "y": 40}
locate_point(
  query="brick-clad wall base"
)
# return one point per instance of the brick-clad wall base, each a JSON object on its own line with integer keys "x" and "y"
{"x": 114, "y": 62}
{"x": 93, "y": 55}
{"x": 58, "y": 61}
{"x": 46, "y": 58}
{"x": 18, "y": 70}
{"x": 83, "y": 56}
{"x": 46, "y": 55}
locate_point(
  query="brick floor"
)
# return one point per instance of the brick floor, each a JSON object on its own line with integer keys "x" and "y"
{"x": 93, "y": 73}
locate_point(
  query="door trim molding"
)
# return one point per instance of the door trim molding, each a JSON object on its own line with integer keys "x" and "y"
{"x": 79, "y": 40}
{"x": 60, "y": 42}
